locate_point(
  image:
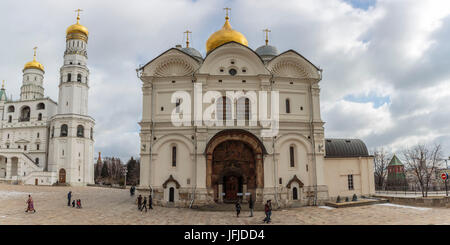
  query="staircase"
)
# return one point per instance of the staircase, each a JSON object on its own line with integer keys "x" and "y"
{"x": 229, "y": 207}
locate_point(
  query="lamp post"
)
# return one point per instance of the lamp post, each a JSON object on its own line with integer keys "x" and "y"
{"x": 125, "y": 171}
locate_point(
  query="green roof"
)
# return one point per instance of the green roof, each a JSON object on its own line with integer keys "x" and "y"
{"x": 395, "y": 161}
{"x": 3, "y": 95}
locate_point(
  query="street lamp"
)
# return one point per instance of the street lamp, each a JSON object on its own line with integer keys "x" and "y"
{"x": 125, "y": 171}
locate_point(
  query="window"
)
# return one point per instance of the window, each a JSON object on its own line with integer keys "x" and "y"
{"x": 291, "y": 156}
{"x": 92, "y": 133}
{"x": 37, "y": 147}
{"x": 36, "y": 161}
{"x": 64, "y": 130}
{"x": 350, "y": 181}
{"x": 232, "y": 71}
{"x": 10, "y": 119}
{"x": 11, "y": 108}
{"x": 280, "y": 181}
{"x": 37, "y": 135}
{"x": 53, "y": 131}
{"x": 80, "y": 131}
{"x": 243, "y": 109}
{"x": 40, "y": 106}
{"x": 69, "y": 77}
{"x": 40, "y": 117}
{"x": 25, "y": 114}
{"x": 8, "y": 136}
{"x": 288, "y": 106}
{"x": 7, "y": 146}
{"x": 25, "y": 147}
{"x": 79, "y": 78}
{"x": 223, "y": 110}
{"x": 174, "y": 156}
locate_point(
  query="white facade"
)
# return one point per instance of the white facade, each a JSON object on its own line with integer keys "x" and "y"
{"x": 184, "y": 165}
{"x": 43, "y": 142}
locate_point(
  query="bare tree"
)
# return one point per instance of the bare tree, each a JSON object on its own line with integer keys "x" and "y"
{"x": 381, "y": 161}
{"x": 423, "y": 161}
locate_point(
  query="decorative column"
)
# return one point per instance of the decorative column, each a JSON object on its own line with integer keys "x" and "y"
{"x": 259, "y": 171}
{"x": 8, "y": 168}
{"x": 220, "y": 193}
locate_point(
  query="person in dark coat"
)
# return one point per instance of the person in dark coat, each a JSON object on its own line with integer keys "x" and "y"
{"x": 69, "y": 196}
{"x": 250, "y": 206}
{"x": 139, "y": 199}
{"x": 144, "y": 205}
{"x": 150, "y": 202}
{"x": 238, "y": 209}
{"x": 73, "y": 203}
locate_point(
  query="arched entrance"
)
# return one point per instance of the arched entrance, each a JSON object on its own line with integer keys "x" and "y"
{"x": 62, "y": 176}
{"x": 234, "y": 165}
{"x": 172, "y": 194}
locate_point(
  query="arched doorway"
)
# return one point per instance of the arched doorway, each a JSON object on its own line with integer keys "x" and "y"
{"x": 234, "y": 165}
{"x": 171, "y": 194}
{"x": 62, "y": 176}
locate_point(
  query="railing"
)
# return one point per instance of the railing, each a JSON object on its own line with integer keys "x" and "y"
{"x": 411, "y": 193}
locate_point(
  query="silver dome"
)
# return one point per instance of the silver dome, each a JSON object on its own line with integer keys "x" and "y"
{"x": 267, "y": 51}
{"x": 192, "y": 52}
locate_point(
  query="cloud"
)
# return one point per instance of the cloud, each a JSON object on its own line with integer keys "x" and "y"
{"x": 369, "y": 51}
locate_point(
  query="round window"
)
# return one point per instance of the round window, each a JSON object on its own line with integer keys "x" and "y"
{"x": 232, "y": 72}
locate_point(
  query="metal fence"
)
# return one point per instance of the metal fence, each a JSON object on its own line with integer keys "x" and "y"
{"x": 410, "y": 193}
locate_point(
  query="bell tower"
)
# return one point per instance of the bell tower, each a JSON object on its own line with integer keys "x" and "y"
{"x": 71, "y": 149}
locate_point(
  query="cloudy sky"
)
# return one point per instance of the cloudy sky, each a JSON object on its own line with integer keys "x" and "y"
{"x": 386, "y": 64}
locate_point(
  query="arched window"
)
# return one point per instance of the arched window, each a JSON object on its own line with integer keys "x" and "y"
{"x": 80, "y": 131}
{"x": 223, "y": 109}
{"x": 11, "y": 108}
{"x": 292, "y": 156}
{"x": 174, "y": 156}
{"x": 92, "y": 133}
{"x": 69, "y": 77}
{"x": 40, "y": 106}
{"x": 40, "y": 117}
{"x": 243, "y": 109}
{"x": 294, "y": 193}
{"x": 64, "y": 130}
{"x": 25, "y": 114}
{"x": 79, "y": 78}
{"x": 36, "y": 161}
{"x": 288, "y": 106}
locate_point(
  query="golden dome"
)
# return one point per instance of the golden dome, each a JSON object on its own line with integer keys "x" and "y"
{"x": 34, "y": 64}
{"x": 225, "y": 35}
{"x": 75, "y": 29}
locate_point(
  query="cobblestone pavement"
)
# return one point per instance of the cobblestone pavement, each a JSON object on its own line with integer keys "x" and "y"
{"x": 115, "y": 206}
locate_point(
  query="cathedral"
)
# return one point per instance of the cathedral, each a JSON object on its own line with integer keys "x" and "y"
{"x": 44, "y": 142}
{"x": 191, "y": 163}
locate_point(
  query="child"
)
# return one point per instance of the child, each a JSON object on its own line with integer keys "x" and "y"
{"x": 79, "y": 203}
{"x": 73, "y": 203}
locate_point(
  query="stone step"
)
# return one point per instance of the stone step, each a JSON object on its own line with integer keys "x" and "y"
{"x": 228, "y": 207}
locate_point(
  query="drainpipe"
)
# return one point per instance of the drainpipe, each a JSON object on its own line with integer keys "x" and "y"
{"x": 275, "y": 172}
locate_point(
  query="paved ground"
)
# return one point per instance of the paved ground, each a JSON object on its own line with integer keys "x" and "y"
{"x": 115, "y": 206}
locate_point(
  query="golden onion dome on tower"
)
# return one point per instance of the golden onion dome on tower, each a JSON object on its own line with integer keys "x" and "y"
{"x": 74, "y": 31}
{"x": 34, "y": 64}
{"x": 225, "y": 35}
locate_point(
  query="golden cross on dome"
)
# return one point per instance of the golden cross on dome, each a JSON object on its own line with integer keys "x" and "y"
{"x": 187, "y": 38}
{"x": 34, "y": 55}
{"x": 78, "y": 15}
{"x": 227, "y": 9}
{"x": 267, "y": 35}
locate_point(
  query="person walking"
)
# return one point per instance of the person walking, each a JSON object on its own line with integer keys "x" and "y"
{"x": 69, "y": 196}
{"x": 139, "y": 199}
{"x": 30, "y": 206}
{"x": 250, "y": 206}
{"x": 144, "y": 205}
{"x": 150, "y": 201}
{"x": 268, "y": 211}
{"x": 238, "y": 209}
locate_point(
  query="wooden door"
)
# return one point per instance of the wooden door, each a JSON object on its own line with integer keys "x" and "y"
{"x": 62, "y": 176}
{"x": 231, "y": 188}
{"x": 36, "y": 181}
